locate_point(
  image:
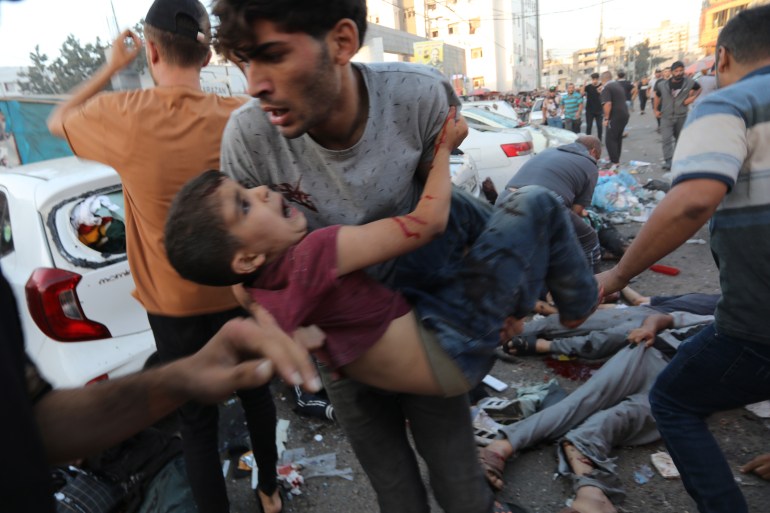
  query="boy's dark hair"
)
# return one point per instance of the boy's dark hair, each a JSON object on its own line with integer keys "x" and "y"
{"x": 621, "y": 74}
{"x": 594, "y": 75}
{"x": 198, "y": 244}
{"x": 316, "y": 18}
{"x": 182, "y": 31}
{"x": 747, "y": 35}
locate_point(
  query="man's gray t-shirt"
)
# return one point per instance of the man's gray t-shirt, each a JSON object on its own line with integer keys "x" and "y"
{"x": 569, "y": 171}
{"x": 373, "y": 179}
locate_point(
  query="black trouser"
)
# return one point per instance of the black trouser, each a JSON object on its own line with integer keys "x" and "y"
{"x": 590, "y": 117}
{"x": 614, "y": 138}
{"x": 642, "y": 101}
{"x": 181, "y": 336}
{"x": 588, "y": 239}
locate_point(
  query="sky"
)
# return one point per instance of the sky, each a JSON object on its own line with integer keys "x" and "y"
{"x": 565, "y": 26}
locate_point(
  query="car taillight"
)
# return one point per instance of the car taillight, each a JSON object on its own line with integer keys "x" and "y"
{"x": 54, "y": 306}
{"x": 516, "y": 149}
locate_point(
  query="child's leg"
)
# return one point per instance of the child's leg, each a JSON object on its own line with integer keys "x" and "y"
{"x": 528, "y": 241}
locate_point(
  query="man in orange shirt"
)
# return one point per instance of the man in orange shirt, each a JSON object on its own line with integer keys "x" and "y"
{"x": 158, "y": 139}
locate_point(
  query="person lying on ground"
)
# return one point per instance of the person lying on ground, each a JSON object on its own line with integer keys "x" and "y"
{"x": 441, "y": 344}
{"x": 606, "y": 331}
{"x": 609, "y": 410}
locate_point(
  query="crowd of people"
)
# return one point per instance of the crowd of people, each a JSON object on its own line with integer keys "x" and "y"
{"x": 334, "y": 219}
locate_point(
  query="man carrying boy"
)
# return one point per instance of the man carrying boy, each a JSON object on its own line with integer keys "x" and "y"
{"x": 344, "y": 143}
{"x": 157, "y": 139}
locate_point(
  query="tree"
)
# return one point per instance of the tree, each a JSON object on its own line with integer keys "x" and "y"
{"x": 643, "y": 60}
{"x": 75, "y": 64}
{"x": 39, "y": 78}
{"x": 140, "y": 64}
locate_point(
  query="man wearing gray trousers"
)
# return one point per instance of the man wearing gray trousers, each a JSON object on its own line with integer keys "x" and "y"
{"x": 611, "y": 409}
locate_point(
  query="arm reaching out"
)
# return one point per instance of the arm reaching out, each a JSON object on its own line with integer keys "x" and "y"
{"x": 759, "y": 465}
{"x": 361, "y": 246}
{"x": 243, "y": 354}
{"x": 122, "y": 56}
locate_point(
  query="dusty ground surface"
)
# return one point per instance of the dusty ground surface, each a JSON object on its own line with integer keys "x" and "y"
{"x": 530, "y": 476}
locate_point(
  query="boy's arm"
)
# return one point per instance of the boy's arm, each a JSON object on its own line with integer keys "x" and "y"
{"x": 379, "y": 241}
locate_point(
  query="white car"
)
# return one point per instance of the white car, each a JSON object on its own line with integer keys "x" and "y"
{"x": 80, "y": 322}
{"x": 498, "y": 156}
{"x": 543, "y": 136}
{"x": 495, "y": 106}
{"x": 465, "y": 174}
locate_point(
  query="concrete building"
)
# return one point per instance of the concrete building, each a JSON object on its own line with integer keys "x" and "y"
{"x": 9, "y": 81}
{"x": 612, "y": 53}
{"x": 500, "y": 38}
{"x": 669, "y": 41}
{"x": 715, "y": 14}
{"x": 557, "y": 73}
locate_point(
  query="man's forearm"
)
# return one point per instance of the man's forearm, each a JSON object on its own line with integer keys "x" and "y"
{"x": 658, "y": 322}
{"x": 683, "y": 211}
{"x": 607, "y": 108}
{"x": 79, "y": 422}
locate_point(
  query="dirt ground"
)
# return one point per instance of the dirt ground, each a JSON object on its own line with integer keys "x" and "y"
{"x": 530, "y": 477}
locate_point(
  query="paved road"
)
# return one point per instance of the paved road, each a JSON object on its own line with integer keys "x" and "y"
{"x": 530, "y": 476}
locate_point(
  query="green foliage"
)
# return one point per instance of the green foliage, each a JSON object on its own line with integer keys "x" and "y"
{"x": 75, "y": 64}
{"x": 644, "y": 62}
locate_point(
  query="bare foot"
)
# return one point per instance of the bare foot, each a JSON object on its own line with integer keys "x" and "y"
{"x": 590, "y": 499}
{"x": 632, "y": 297}
{"x": 492, "y": 459}
{"x": 270, "y": 503}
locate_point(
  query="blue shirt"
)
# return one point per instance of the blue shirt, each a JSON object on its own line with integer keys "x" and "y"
{"x": 571, "y": 104}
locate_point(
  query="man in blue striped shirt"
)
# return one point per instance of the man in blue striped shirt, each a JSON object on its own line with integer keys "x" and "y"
{"x": 721, "y": 168}
{"x": 573, "y": 108}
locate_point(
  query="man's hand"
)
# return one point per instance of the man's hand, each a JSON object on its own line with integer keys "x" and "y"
{"x": 244, "y": 354}
{"x": 611, "y": 281}
{"x": 642, "y": 335}
{"x": 658, "y": 114}
{"x": 125, "y": 49}
{"x": 759, "y": 466}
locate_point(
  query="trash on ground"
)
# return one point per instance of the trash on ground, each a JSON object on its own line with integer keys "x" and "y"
{"x": 318, "y": 438}
{"x": 643, "y": 474}
{"x": 761, "y": 409}
{"x": 696, "y": 241}
{"x": 664, "y": 269}
{"x": 494, "y": 383}
{"x": 664, "y": 465}
{"x": 281, "y": 435}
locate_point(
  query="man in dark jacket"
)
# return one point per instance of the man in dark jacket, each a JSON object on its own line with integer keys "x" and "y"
{"x": 671, "y": 104}
{"x": 570, "y": 172}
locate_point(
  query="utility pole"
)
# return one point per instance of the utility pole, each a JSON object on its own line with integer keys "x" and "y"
{"x": 601, "y": 35}
{"x": 537, "y": 45}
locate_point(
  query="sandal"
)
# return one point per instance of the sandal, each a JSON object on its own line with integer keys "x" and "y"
{"x": 521, "y": 345}
{"x": 493, "y": 466}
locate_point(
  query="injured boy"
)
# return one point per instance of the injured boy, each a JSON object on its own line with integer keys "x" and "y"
{"x": 478, "y": 266}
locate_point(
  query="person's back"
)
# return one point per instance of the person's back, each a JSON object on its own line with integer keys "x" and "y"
{"x": 157, "y": 140}
{"x": 615, "y": 93}
{"x": 569, "y": 171}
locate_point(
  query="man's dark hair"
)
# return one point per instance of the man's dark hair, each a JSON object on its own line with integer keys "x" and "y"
{"x": 594, "y": 75}
{"x": 621, "y": 74}
{"x": 198, "y": 244}
{"x": 747, "y": 35}
{"x": 235, "y": 33}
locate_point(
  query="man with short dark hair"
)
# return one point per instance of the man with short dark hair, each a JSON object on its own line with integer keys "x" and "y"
{"x": 615, "y": 116}
{"x": 573, "y": 107}
{"x": 594, "y": 111}
{"x": 552, "y": 108}
{"x": 671, "y": 104}
{"x": 157, "y": 139}
{"x": 718, "y": 171}
{"x": 347, "y": 143}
